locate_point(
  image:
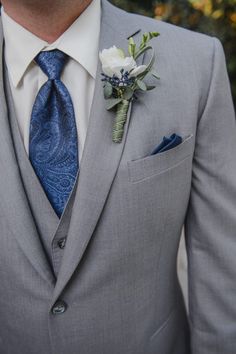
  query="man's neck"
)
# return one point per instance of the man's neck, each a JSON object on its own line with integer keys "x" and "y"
{"x": 47, "y": 23}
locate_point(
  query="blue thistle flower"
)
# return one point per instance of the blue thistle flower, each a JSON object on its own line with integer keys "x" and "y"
{"x": 115, "y": 81}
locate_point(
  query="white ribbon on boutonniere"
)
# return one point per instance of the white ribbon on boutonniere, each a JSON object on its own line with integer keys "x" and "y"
{"x": 123, "y": 78}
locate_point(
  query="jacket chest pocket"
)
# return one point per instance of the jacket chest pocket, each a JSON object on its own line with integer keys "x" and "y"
{"x": 150, "y": 166}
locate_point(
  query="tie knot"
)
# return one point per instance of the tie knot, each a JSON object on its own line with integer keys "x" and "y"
{"x": 51, "y": 63}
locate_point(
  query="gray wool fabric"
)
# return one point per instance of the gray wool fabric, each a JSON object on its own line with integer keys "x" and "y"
{"x": 117, "y": 273}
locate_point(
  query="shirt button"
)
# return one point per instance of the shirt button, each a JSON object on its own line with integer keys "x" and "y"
{"x": 59, "y": 307}
{"x": 61, "y": 243}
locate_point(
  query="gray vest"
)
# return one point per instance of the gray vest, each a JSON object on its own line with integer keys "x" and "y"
{"x": 52, "y": 230}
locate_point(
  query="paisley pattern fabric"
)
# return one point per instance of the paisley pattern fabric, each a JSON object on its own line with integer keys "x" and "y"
{"x": 53, "y": 143}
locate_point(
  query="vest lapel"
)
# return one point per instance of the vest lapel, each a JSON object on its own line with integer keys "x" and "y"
{"x": 15, "y": 206}
{"x": 99, "y": 162}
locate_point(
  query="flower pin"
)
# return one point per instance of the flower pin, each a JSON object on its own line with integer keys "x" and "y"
{"x": 123, "y": 78}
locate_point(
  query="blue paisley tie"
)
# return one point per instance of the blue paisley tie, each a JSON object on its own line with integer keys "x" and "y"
{"x": 53, "y": 145}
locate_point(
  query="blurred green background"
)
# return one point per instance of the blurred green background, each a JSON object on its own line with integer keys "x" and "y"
{"x": 213, "y": 17}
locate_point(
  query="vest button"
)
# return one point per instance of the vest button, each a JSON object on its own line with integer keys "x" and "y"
{"x": 59, "y": 307}
{"x": 61, "y": 243}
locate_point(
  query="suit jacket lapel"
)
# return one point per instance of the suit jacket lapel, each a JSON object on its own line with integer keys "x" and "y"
{"x": 15, "y": 207}
{"x": 99, "y": 162}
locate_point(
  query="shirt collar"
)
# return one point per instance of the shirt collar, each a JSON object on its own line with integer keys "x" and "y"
{"x": 80, "y": 41}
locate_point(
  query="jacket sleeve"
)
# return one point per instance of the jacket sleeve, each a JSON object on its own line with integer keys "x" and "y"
{"x": 210, "y": 226}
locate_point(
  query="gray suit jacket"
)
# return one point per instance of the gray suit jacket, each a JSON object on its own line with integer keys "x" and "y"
{"x": 118, "y": 272}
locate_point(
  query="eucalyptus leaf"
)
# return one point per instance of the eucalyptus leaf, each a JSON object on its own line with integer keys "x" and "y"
{"x": 154, "y": 74}
{"x": 128, "y": 93}
{"x": 108, "y": 90}
{"x": 112, "y": 102}
{"x": 150, "y": 88}
{"x": 141, "y": 85}
{"x": 142, "y": 75}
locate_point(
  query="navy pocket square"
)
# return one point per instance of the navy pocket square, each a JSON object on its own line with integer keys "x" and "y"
{"x": 167, "y": 144}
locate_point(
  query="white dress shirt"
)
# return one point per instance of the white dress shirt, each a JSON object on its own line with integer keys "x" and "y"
{"x": 80, "y": 42}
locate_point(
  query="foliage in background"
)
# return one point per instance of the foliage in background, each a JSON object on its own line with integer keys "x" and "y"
{"x": 213, "y": 17}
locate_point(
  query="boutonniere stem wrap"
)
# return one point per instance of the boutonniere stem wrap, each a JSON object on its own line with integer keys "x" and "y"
{"x": 123, "y": 78}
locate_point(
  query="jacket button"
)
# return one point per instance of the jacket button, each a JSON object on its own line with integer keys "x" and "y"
{"x": 59, "y": 307}
{"x": 61, "y": 243}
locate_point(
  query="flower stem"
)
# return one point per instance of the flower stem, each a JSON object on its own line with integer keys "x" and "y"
{"x": 120, "y": 120}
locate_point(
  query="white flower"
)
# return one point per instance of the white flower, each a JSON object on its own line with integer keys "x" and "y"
{"x": 138, "y": 70}
{"x": 114, "y": 60}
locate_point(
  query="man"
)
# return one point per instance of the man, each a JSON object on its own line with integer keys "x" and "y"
{"x": 88, "y": 249}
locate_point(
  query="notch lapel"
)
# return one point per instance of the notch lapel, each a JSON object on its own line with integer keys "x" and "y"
{"x": 15, "y": 207}
{"x": 99, "y": 162}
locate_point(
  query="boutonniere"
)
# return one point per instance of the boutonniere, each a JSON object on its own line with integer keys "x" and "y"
{"x": 123, "y": 78}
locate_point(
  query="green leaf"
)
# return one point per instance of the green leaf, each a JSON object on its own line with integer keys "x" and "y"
{"x": 108, "y": 90}
{"x": 141, "y": 85}
{"x": 154, "y": 74}
{"x": 145, "y": 39}
{"x": 150, "y": 88}
{"x": 131, "y": 40}
{"x": 132, "y": 47}
{"x": 112, "y": 102}
{"x": 142, "y": 51}
{"x": 153, "y": 35}
{"x": 128, "y": 93}
{"x": 149, "y": 66}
